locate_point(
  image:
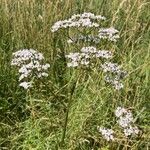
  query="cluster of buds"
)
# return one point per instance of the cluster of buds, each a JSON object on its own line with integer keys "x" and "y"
{"x": 30, "y": 64}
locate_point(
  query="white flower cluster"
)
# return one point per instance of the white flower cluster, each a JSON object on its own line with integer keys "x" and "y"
{"x": 85, "y": 56}
{"x": 107, "y": 133}
{"x": 108, "y": 33}
{"x": 115, "y": 69}
{"x": 117, "y": 84}
{"x": 90, "y": 53}
{"x": 78, "y": 20}
{"x": 125, "y": 117}
{"x": 111, "y": 67}
{"x": 30, "y": 64}
{"x": 125, "y": 120}
{"x": 131, "y": 130}
{"x": 26, "y": 85}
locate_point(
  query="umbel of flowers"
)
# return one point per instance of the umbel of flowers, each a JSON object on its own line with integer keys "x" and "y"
{"x": 30, "y": 64}
{"x": 113, "y": 72}
{"x": 106, "y": 133}
{"x": 78, "y": 20}
{"x": 125, "y": 121}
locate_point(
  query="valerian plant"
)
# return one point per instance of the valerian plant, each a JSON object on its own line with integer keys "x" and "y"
{"x": 87, "y": 37}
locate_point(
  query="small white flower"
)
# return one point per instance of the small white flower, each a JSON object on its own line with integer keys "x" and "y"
{"x": 26, "y": 85}
{"x": 99, "y": 17}
{"x": 110, "y": 67}
{"x": 84, "y": 62}
{"x": 87, "y": 15}
{"x": 86, "y": 22}
{"x": 89, "y": 49}
{"x": 120, "y": 111}
{"x": 115, "y": 81}
{"x": 125, "y": 121}
{"x": 107, "y": 133}
{"x": 104, "y": 54}
{"x": 69, "y": 41}
{"x": 125, "y": 117}
{"x": 117, "y": 85}
{"x": 46, "y": 66}
{"x": 131, "y": 130}
{"x": 44, "y": 74}
{"x": 74, "y": 56}
{"x": 72, "y": 64}
{"x": 23, "y": 69}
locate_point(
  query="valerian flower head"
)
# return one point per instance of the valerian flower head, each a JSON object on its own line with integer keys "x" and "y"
{"x": 114, "y": 74}
{"x": 126, "y": 121}
{"x": 78, "y": 20}
{"x": 30, "y": 64}
{"x": 110, "y": 67}
{"x": 86, "y": 55}
{"x": 77, "y": 59}
{"x": 125, "y": 117}
{"x": 22, "y": 56}
{"x": 131, "y": 130}
{"x": 107, "y": 133}
{"x": 108, "y": 33}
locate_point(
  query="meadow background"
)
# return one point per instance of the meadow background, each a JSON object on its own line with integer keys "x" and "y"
{"x": 38, "y": 124}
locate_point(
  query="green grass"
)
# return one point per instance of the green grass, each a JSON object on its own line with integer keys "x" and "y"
{"x": 36, "y": 122}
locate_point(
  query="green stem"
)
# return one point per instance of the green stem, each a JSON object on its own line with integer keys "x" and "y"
{"x": 67, "y": 113}
{"x": 66, "y": 122}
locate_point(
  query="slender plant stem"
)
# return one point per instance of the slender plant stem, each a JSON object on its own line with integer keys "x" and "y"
{"x": 67, "y": 113}
{"x": 66, "y": 122}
